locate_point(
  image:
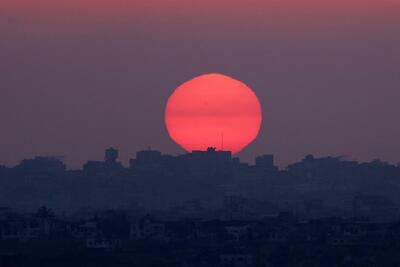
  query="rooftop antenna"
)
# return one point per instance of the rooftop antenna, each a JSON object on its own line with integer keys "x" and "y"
{"x": 222, "y": 140}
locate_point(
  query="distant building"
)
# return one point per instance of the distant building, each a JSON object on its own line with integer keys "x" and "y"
{"x": 4, "y": 211}
{"x": 234, "y": 207}
{"x": 2, "y": 169}
{"x": 111, "y": 155}
{"x": 42, "y": 166}
{"x": 239, "y": 230}
{"x": 202, "y": 164}
{"x": 326, "y": 167}
{"x": 266, "y": 163}
{"x": 146, "y": 160}
{"x": 210, "y": 163}
{"x": 376, "y": 208}
{"x": 101, "y": 243}
{"x": 239, "y": 259}
{"x": 148, "y": 228}
{"x": 110, "y": 165}
{"x": 92, "y": 168}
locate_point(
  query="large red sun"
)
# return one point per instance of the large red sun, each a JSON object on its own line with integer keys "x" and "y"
{"x": 213, "y": 110}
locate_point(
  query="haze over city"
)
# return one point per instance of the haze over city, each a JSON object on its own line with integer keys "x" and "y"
{"x": 199, "y": 133}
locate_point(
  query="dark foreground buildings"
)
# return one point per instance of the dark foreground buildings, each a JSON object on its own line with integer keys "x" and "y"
{"x": 203, "y": 208}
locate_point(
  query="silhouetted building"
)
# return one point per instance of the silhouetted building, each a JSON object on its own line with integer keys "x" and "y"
{"x": 110, "y": 165}
{"x": 235, "y": 207}
{"x": 237, "y": 258}
{"x": 266, "y": 163}
{"x": 147, "y": 160}
{"x": 326, "y": 167}
{"x": 210, "y": 163}
{"x": 377, "y": 208}
{"x": 111, "y": 155}
{"x": 178, "y": 183}
{"x": 42, "y": 166}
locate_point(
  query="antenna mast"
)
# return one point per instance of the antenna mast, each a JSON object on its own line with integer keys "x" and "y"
{"x": 222, "y": 140}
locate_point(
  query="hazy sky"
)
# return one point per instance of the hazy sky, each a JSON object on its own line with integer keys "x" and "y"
{"x": 78, "y": 76}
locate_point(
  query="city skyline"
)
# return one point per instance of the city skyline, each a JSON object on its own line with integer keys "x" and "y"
{"x": 156, "y": 181}
{"x": 199, "y": 133}
{"x": 130, "y": 155}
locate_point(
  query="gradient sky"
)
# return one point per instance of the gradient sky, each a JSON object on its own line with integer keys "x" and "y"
{"x": 78, "y": 76}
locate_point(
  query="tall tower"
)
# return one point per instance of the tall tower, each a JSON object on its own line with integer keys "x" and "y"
{"x": 111, "y": 155}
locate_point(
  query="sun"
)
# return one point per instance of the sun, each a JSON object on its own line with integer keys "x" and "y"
{"x": 213, "y": 110}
